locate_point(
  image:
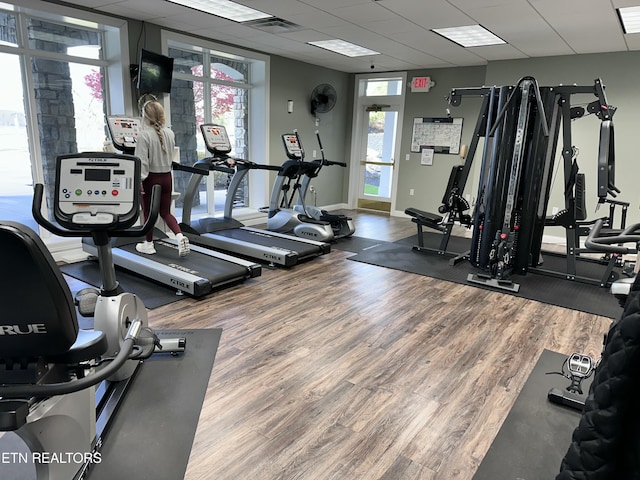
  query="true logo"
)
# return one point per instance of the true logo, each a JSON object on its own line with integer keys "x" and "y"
{"x": 31, "y": 328}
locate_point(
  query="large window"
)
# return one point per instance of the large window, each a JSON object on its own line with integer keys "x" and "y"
{"x": 55, "y": 90}
{"x": 212, "y": 84}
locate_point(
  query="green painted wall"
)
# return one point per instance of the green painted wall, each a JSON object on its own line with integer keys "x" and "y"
{"x": 619, "y": 72}
{"x": 293, "y": 80}
{"x": 429, "y": 182}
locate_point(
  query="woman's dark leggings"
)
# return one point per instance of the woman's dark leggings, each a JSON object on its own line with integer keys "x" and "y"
{"x": 166, "y": 182}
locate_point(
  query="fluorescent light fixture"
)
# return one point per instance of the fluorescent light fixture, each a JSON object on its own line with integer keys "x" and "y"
{"x": 630, "y": 19}
{"x": 469, "y": 36}
{"x": 225, "y": 9}
{"x": 344, "y": 48}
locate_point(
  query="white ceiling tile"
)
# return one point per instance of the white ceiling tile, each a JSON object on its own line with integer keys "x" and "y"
{"x": 624, "y": 3}
{"x": 389, "y": 26}
{"x": 93, "y": 3}
{"x": 280, "y": 8}
{"x": 199, "y": 20}
{"x": 400, "y": 29}
{"x": 473, "y": 4}
{"x": 431, "y": 14}
{"x": 307, "y": 35}
{"x": 129, "y": 12}
{"x": 334, "y": 3}
{"x": 241, "y": 31}
{"x": 591, "y": 28}
{"x": 317, "y": 20}
{"x": 520, "y": 25}
{"x": 359, "y": 14}
{"x": 499, "y": 52}
{"x": 633, "y": 41}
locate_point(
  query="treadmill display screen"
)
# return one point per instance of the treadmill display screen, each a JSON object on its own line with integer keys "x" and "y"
{"x": 97, "y": 175}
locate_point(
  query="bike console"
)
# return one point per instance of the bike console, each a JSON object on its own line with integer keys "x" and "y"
{"x": 97, "y": 191}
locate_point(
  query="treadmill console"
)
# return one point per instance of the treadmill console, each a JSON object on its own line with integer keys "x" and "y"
{"x": 216, "y": 138}
{"x": 124, "y": 132}
{"x": 97, "y": 189}
{"x": 293, "y": 146}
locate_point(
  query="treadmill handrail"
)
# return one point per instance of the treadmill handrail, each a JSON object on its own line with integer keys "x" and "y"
{"x": 186, "y": 168}
{"x": 248, "y": 164}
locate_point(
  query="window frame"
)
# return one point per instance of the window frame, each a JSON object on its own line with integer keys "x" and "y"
{"x": 258, "y": 101}
{"x": 114, "y": 61}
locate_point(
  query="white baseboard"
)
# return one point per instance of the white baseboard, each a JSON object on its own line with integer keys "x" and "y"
{"x": 337, "y": 206}
{"x": 555, "y": 240}
{"x": 399, "y": 213}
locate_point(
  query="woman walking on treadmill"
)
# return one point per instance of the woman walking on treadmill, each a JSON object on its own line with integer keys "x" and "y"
{"x": 154, "y": 148}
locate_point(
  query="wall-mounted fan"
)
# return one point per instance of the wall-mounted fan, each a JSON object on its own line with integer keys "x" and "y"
{"x": 323, "y": 98}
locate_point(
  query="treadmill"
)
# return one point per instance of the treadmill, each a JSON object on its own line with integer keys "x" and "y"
{"x": 228, "y": 234}
{"x": 198, "y": 273}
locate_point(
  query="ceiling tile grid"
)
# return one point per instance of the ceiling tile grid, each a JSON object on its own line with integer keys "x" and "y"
{"x": 401, "y": 29}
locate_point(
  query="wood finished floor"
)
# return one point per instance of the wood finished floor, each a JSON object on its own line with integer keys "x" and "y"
{"x": 336, "y": 369}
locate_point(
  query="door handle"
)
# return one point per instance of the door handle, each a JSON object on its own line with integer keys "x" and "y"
{"x": 384, "y": 164}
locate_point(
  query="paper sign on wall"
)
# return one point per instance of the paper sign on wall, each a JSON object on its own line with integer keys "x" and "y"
{"x": 426, "y": 156}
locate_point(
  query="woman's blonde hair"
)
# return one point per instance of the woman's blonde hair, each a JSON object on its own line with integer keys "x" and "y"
{"x": 154, "y": 113}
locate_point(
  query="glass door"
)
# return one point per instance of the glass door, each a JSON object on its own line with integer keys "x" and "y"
{"x": 377, "y": 158}
{"x": 375, "y": 148}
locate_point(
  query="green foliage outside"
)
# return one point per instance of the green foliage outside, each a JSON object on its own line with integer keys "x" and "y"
{"x": 371, "y": 189}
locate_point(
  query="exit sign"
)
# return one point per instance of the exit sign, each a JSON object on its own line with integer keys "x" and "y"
{"x": 420, "y": 84}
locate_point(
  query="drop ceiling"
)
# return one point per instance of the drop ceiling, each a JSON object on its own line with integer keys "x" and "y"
{"x": 401, "y": 29}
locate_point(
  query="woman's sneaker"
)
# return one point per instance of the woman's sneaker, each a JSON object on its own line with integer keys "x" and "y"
{"x": 183, "y": 245}
{"x": 146, "y": 247}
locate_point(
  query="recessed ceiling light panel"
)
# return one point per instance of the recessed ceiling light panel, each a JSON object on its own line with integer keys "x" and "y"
{"x": 224, "y": 8}
{"x": 469, "y": 36}
{"x": 344, "y": 48}
{"x": 630, "y": 19}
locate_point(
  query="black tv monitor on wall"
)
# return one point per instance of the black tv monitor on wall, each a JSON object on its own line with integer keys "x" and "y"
{"x": 154, "y": 73}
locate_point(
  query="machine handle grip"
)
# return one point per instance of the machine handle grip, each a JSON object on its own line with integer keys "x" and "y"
{"x": 209, "y": 164}
{"x": 186, "y": 168}
{"x": 318, "y": 137}
{"x": 248, "y": 164}
{"x": 275, "y": 168}
{"x": 53, "y": 389}
{"x": 606, "y": 244}
{"x": 215, "y": 163}
{"x": 38, "y": 193}
{"x": 339, "y": 164}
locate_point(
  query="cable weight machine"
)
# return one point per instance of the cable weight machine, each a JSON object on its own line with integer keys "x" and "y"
{"x": 522, "y": 126}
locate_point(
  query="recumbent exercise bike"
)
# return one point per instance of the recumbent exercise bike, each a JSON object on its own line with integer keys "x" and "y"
{"x": 60, "y": 385}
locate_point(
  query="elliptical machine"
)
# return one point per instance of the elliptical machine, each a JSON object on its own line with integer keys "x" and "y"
{"x": 282, "y": 216}
{"x": 341, "y": 224}
{"x": 49, "y": 369}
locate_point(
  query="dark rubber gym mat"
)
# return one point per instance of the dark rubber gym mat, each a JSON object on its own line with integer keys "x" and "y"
{"x": 153, "y": 295}
{"x": 357, "y": 244}
{"x": 555, "y": 291}
{"x": 153, "y": 430}
{"x": 536, "y": 434}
